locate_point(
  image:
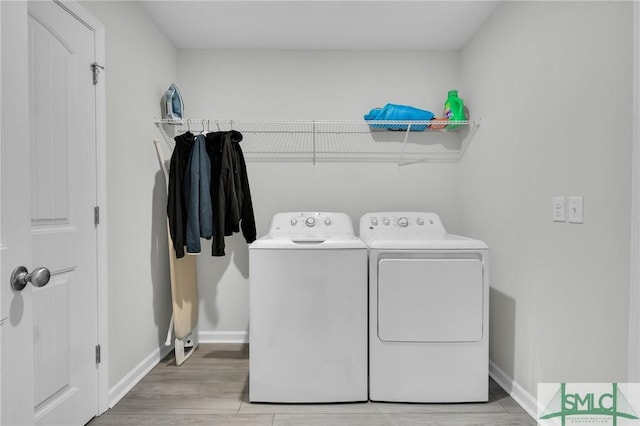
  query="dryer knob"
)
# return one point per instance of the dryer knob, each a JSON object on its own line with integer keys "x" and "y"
{"x": 385, "y": 221}
{"x": 310, "y": 222}
{"x": 294, "y": 222}
{"x": 419, "y": 221}
{"x": 374, "y": 222}
{"x": 403, "y": 222}
{"x": 327, "y": 221}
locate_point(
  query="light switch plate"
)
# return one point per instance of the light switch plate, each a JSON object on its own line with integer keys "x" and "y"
{"x": 575, "y": 209}
{"x": 557, "y": 209}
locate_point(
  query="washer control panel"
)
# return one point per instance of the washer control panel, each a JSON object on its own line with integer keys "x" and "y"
{"x": 401, "y": 225}
{"x": 311, "y": 223}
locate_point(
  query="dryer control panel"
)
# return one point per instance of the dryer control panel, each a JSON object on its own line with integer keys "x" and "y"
{"x": 401, "y": 225}
{"x": 311, "y": 224}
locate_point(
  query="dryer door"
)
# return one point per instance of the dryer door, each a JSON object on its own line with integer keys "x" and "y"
{"x": 430, "y": 300}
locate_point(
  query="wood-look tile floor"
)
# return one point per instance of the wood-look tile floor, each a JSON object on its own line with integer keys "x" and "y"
{"x": 211, "y": 388}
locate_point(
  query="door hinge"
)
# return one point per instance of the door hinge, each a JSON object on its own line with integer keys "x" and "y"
{"x": 95, "y": 69}
{"x": 96, "y": 215}
{"x": 98, "y": 358}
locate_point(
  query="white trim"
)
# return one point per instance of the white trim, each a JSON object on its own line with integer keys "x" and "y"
{"x": 101, "y": 198}
{"x": 137, "y": 373}
{"x": 101, "y": 193}
{"x": 2, "y": 246}
{"x": 3, "y": 314}
{"x": 519, "y": 394}
{"x": 223, "y": 336}
{"x": 633, "y": 363}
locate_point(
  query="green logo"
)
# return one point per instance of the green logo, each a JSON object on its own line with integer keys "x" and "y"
{"x": 588, "y": 405}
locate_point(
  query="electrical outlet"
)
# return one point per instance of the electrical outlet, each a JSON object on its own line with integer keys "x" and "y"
{"x": 575, "y": 209}
{"x": 557, "y": 209}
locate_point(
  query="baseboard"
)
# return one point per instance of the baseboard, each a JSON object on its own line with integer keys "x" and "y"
{"x": 120, "y": 389}
{"x": 519, "y": 394}
{"x": 223, "y": 336}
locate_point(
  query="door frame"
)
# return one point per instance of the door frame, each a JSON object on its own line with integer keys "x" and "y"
{"x": 15, "y": 247}
{"x": 101, "y": 197}
{"x": 2, "y": 320}
{"x": 633, "y": 364}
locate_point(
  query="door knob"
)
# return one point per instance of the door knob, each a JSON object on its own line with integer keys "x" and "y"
{"x": 39, "y": 277}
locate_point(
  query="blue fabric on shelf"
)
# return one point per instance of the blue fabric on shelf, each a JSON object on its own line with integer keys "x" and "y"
{"x": 399, "y": 113}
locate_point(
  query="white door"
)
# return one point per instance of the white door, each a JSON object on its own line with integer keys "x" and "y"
{"x": 60, "y": 319}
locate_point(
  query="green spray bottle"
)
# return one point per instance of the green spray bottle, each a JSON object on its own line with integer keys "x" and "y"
{"x": 453, "y": 109}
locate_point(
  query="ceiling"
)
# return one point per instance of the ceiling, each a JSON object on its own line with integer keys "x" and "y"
{"x": 316, "y": 24}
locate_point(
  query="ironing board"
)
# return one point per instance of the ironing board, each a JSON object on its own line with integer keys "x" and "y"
{"x": 184, "y": 293}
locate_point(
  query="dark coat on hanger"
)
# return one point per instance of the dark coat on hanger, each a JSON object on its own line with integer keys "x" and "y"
{"x": 176, "y": 205}
{"x": 230, "y": 194}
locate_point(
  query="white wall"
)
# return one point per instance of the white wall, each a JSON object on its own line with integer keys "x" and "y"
{"x": 140, "y": 65}
{"x": 553, "y": 83}
{"x": 304, "y": 85}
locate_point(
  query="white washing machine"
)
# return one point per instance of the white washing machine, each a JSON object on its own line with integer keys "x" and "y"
{"x": 428, "y": 310}
{"x": 308, "y": 311}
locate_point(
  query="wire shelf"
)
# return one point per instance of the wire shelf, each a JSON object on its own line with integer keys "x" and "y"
{"x": 370, "y": 141}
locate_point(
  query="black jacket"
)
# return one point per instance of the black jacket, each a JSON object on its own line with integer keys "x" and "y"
{"x": 230, "y": 194}
{"x": 176, "y": 205}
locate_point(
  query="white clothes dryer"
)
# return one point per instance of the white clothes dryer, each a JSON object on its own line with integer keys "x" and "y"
{"x": 428, "y": 310}
{"x": 308, "y": 311}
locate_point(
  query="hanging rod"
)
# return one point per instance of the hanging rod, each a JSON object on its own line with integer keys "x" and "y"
{"x": 320, "y": 126}
{"x": 327, "y": 126}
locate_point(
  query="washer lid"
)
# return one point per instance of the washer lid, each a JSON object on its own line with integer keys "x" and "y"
{"x": 270, "y": 243}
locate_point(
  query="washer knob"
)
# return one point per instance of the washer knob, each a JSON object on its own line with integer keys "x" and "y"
{"x": 374, "y": 222}
{"x": 403, "y": 222}
{"x": 419, "y": 221}
{"x": 294, "y": 222}
{"x": 327, "y": 221}
{"x": 310, "y": 222}
{"x": 385, "y": 221}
